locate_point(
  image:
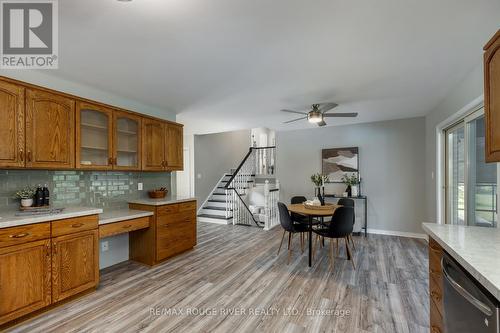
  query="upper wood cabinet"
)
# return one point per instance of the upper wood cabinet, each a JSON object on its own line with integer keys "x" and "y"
{"x": 12, "y": 125}
{"x": 44, "y": 129}
{"x": 25, "y": 284}
{"x": 492, "y": 98}
{"x": 153, "y": 145}
{"x": 94, "y": 128}
{"x": 174, "y": 147}
{"x": 127, "y": 148}
{"x": 75, "y": 264}
{"x": 50, "y": 130}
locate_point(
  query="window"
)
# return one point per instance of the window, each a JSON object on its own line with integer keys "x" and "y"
{"x": 471, "y": 183}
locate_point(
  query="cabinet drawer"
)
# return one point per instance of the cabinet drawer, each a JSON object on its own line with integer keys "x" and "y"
{"x": 433, "y": 245}
{"x": 182, "y": 217}
{"x": 24, "y": 234}
{"x": 187, "y": 206}
{"x": 70, "y": 226}
{"x": 167, "y": 209}
{"x": 117, "y": 228}
{"x": 174, "y": 238}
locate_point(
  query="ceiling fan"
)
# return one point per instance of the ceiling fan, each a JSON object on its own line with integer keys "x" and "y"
{"x": 317, "y": 114}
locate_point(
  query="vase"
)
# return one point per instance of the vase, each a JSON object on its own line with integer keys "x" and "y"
{"x": 349, "y": 191}
{"x": 354, "y": 190}
{"x": 27, "y": 202}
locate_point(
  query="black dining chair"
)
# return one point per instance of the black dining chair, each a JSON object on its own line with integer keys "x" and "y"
{"x": 297, "y": 217}
{"x": 290, "y": 227}
{"x": 340, "y": 227}
{"x": 346, "y": 202}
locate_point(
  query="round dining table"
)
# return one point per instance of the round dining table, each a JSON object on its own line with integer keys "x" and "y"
{"x": 312, "y": 213}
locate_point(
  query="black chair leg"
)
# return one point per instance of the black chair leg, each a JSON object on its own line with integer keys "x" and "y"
{"x": 281, "y": 243}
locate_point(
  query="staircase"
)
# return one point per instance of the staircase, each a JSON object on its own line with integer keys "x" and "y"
{"x": 228, "y": 202}
{"x": 218, "y": 206}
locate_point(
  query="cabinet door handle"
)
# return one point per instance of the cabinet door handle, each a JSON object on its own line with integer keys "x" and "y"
{"x": 48, "y": 250}
{"x": 21, "y": 155}
{"x": 24, "y": 234}
{"x": 127, "y": 226}
{"x": 29, "y": 155}
{"x": 110, "y": 161}
{"x": 77, "y": 225}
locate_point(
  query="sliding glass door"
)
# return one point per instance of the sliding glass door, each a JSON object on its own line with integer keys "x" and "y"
{"x": 471, "y": 184}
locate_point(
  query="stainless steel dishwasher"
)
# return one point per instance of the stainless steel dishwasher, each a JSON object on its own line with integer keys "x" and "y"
{"x": 468, "y": 307}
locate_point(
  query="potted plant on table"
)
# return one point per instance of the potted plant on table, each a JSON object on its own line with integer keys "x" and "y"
{"x": 319, "y": 181}
{"x": 352, "y": 181}
{"x": 26, "y": 196}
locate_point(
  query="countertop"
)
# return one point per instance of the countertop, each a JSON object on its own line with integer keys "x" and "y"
{"x": 117, "y": 215}
{"x": 160, "y": 202}
{"x": 477, "y": 249}
{"x": 10, "y": 220}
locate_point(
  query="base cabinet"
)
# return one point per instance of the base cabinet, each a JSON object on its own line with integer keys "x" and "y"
{"x": 75, "y": 264}
{"x": 42, "y": 264}
{"x": 435, "y": 287}
{"x": 25, "y": 284}
{"x": 172, "y": 231}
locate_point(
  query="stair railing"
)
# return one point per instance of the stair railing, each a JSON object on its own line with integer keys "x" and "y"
{"x": 258, "y": 160}
{"x": 271, "y": 198}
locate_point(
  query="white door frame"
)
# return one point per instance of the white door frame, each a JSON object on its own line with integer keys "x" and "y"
{"x": 473, "y": 106}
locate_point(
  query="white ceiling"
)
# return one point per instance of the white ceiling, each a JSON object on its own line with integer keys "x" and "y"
{"x": 232, "y": 64}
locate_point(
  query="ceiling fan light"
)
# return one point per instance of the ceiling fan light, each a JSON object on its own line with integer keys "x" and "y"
{"x": 315, "y": 117}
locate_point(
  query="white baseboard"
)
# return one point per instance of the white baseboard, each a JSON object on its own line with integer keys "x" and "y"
{"x": 397, "y": 233}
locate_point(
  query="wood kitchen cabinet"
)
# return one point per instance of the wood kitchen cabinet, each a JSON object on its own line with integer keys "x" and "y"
{"x": 25, "y": 284}
{"x": 174, "y": 147}
{"x": 127, "y": 139}
{"x": 44, "y": 263}
{"x": 435, "y": 287}
{"x": 50, "y": 130}
{"x": 172, "y": 231}
{"x": 94, "y": 135}
{"x": 492, "y": 98}
{"x": 75, "y": 264}
{"x": 12, "y": 125}
{"x": 153, "y": 145}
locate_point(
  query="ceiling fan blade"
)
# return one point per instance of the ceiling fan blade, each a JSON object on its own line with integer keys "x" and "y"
{"x": 291, "y": 111}
{"x": 340, "y": 115}
{"x": 291, "y": 121}
{"x": 325, "y": 107}
{"x": 322, "y": 123}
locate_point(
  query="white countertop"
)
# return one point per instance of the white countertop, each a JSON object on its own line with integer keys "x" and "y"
{"x": 10, "y": 220}
{"x": 117, "y": 215}
{"x": 477, "y": 249}
{"x": 160, "y": 202}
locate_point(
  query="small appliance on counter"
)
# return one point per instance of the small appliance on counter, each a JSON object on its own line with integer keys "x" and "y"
{"x": 159, "y": 193}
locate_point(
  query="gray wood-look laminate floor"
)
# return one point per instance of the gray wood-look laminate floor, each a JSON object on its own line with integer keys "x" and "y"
{"x": 233, "y": 281}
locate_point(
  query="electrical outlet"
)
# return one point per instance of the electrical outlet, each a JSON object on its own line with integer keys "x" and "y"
{"x": 105, "y": 246}
{"x": 140, "y": 186}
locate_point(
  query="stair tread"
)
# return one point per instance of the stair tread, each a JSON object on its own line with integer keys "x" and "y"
{"x": 219, "y": 217}
{"x": 212, "y": 200}
{"x": 215, "y": 208}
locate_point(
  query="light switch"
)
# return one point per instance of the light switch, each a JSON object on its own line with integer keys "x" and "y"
{"x": 140, "y": 186}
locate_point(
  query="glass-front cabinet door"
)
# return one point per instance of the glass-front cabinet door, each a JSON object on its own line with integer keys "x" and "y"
{"x": 127, "y": 141}
{"x": 94, "y": 137}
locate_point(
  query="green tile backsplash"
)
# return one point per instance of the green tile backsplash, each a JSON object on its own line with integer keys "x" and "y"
{"x": 83, "y": 188}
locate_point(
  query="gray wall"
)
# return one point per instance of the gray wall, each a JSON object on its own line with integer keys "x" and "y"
{"x": 469, "y": 89}
{"x": 392, "y": 160}
{"x": 215, "y": 154}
